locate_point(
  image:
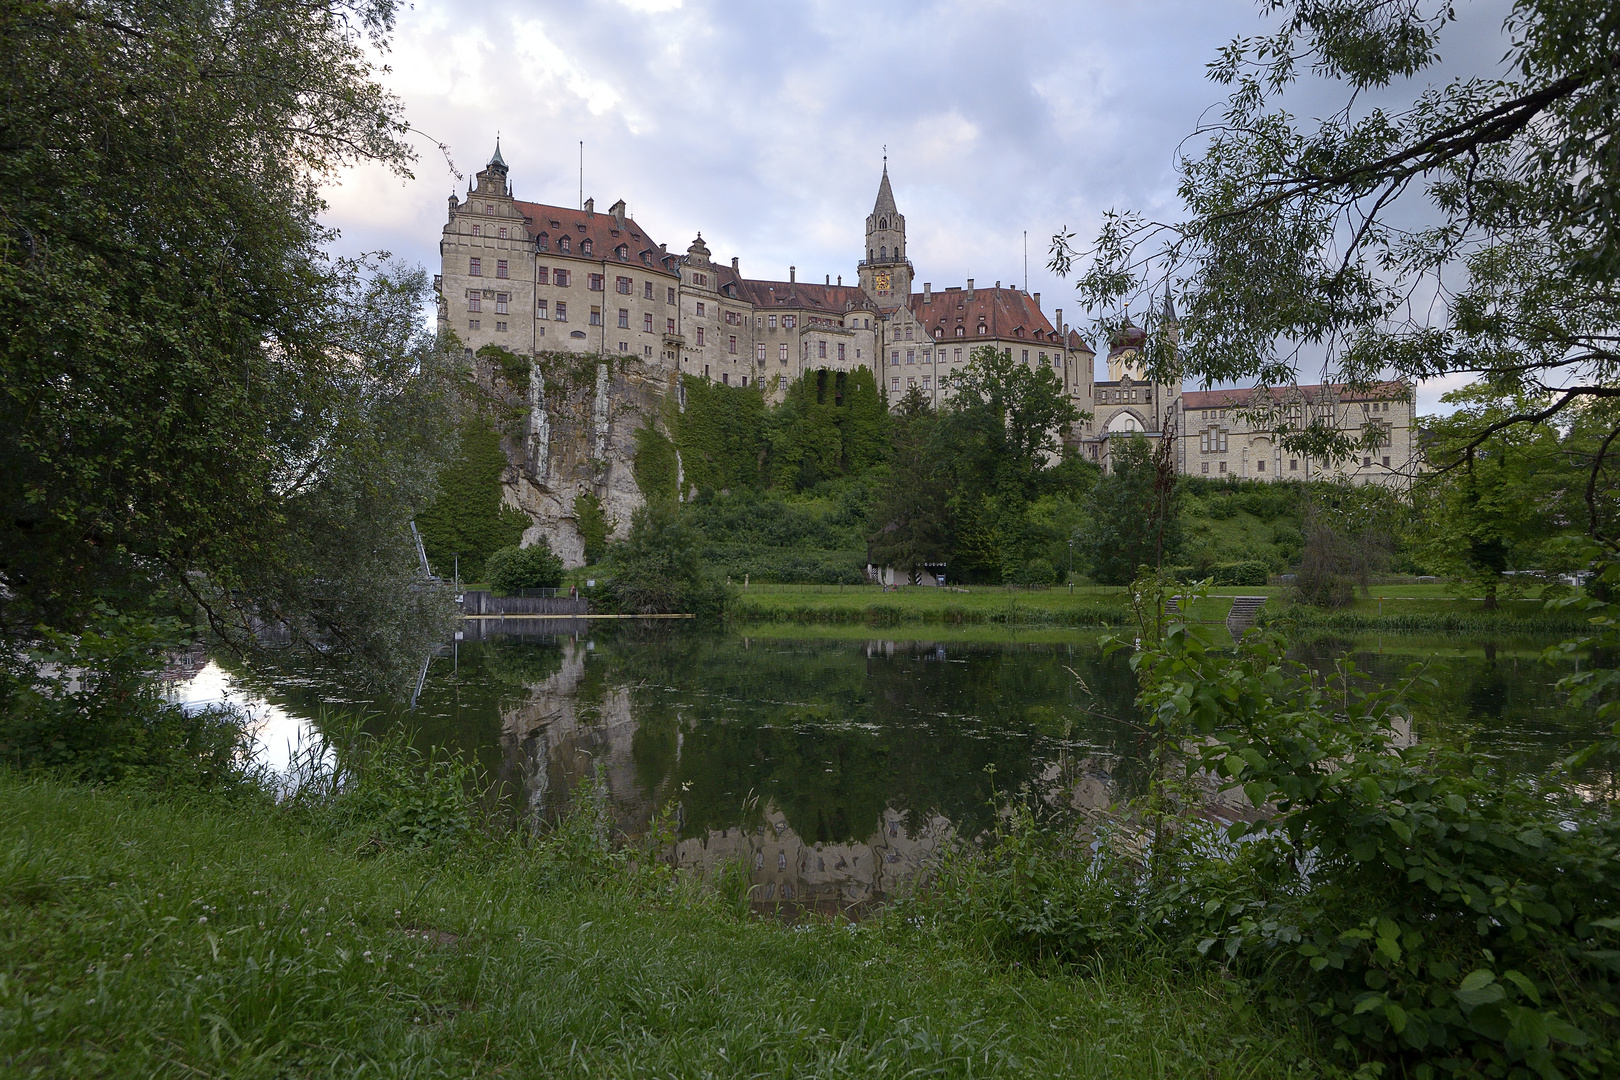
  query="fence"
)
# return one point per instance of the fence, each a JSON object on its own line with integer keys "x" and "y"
{"x": 484, "y": 603}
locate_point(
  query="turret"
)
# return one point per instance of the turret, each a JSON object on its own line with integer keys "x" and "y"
{"x": 885, "y": 273}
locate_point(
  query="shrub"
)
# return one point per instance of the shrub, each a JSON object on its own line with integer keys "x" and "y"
{"x": 592, "y": 524}
{"x": 1240, "y": 573}
{"x": 532, "y": 567}
{"x": 1035, "y": 572}
{"x": 658, "y": 568}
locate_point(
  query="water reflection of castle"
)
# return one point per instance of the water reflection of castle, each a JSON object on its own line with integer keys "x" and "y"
{"x": 575, "y": 723}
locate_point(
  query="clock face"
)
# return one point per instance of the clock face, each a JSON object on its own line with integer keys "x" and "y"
{"x": 882, "y": 282}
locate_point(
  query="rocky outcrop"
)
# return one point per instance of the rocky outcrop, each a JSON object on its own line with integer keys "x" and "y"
{"x": 574, "y": 432}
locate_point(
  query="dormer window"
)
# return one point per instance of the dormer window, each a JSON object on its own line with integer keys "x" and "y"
{"x": 981, "y": 328}
{"x": 939, "y": 331}
{"x": 623, "y": 253}
{"x": 585, "y": 246}
{"x": 562, "y": 244}
{"x": 556, "y": 224}
{"x": 543, "y": 242}
{"x": 961, "y": 331}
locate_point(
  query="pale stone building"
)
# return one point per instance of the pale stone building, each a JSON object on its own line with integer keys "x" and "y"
{"x": 533, "y": 277}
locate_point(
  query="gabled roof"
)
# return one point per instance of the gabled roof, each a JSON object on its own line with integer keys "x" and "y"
{"x": 602, "y": 230}
{"x": 1005, "y": 313}
{"x": 805, "y": 296}
{"x": 1280, "y": 395}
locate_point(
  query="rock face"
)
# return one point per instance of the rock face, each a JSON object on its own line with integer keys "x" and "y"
{"x": 573, "y": 431}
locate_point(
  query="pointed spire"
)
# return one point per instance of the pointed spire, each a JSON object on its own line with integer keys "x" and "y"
{"x": 885, "y": 195}
{"x": 1169, "y": 309}
{"x": 498, "y": 161}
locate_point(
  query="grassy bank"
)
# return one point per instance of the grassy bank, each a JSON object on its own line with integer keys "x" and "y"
{"x": 144, "y": 937}
{"x": 1394, "y": 608}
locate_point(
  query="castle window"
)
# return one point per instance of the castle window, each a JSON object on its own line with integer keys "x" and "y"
{"x": 1260, "y": 466}
{"x": 477, "y": 231}
{"x": 908, "y": 332}
{"x": 489, "y": 208}
{"x": 646, "y": 323}
{"x": 731, "y": 344}
{"x": 475, "y": 303}
{"x": 702, "y": 309}
{"x": 894, "y": 358}
{"x": 540, "y": 310}
{"x": 1026, "y": 356}
{"x": 559, "y": 276}
{"x": 925, "y": 382}
{"x": 585, "y": 246}
{"x": 500, "y": 328}
{"x": 624, "y": 318}
{"x": 788, "y": 322}
{"x": 562, "y": 311}
{"x": 541, "y": 275}
{"x": 501, "y": 301}
{"x": 821, "y": 350}
{"x": 596, "y": 316}
{"x": 670, "y": 299}
{"x": 1293, "y": 464}
{"x": 503, "y": 232}
{"x": 939, "y": 331}
{"x": 623, "y": 253}
{"x": 700, "y": 337}
{"x": 623, "y": 285}
{"x": 669, "y": 326}
{"x": 475, "y": 267}
{"x": 595, "y": 283}
{"x": 725, "y": 377}
{"x": 981, "y": 328}
{"x": 894, "y": 384}
{"x": 472, "y": 324}
{"x": 781, "y": 352}
{"x": 543, "y": 242}
{"x": 771, "y": 319}
{"x": 1202, "y": 468}
{"x": 700, "y": 279}
{"x": 562, "y": 244}
{"x": 759, "y": 353}
{"x": 961, "y": 331}
{"x": 647, "y": 290}
{"x": 911, "y": 356}
{"x": 883, "y": 252}
{"x": 1223, "y": 466}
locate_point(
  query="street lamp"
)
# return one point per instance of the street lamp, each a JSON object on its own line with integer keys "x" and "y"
{"x": 1071, "y": 563}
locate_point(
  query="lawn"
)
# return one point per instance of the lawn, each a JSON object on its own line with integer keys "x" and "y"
{"x": 147, "y": 937}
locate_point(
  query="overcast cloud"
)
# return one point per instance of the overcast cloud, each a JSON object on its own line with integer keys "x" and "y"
{"x": 763, "y": 124}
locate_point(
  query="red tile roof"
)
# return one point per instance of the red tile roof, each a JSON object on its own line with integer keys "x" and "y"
{"x": 1243, "y": 398}
{"x": 1005, "y": 313}
{"x": 602, "y": 230}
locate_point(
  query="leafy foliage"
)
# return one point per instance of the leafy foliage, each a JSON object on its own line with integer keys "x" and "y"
{"x": 658, "y": 568}
{"x": 830, "y": 424}
{"x": 468, "y": 517}
{"x": 534, "y": 566}
{"x": 720, "y": 433}
{"x": 593, "y": 525}
{"x": 1130, "y": 521}
{"x": 912, "y": 509}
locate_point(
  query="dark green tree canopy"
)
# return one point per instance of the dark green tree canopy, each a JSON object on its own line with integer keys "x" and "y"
{"x": 186, "y": 380}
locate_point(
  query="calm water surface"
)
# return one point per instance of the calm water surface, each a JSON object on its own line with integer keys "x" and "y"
{"x": 837, "y": 767}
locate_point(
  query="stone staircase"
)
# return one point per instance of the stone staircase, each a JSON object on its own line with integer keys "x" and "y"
{"x": 1245, "y": 609}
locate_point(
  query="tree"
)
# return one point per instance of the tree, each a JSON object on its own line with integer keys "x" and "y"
{"x": 467, "y": 519}
{"x": 1133, "y": 518}
{"x": 658, "y": 567}
{"x": 1497, "y": 501}
{"x": 911, "y": 514}
{"x": 1470, "y": 232}
{"x": 531, "y": 567}
{"x": 593, "y": 525}
{"x": 829, "y": 424}
{"x": 198, "y": 402}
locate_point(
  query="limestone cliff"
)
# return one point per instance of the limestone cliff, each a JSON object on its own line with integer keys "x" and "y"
{"x": 572, "y": 430}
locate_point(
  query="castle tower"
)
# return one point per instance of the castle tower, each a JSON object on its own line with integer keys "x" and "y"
{"x": 886, "y": 273}
{"x": 492, "y": 177}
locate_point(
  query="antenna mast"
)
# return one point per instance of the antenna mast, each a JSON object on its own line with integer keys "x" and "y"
{"x": 1026, "y": 261}
{"x": 582, "y": 174}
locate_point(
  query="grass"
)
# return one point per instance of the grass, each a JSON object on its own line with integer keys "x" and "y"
{"x": 164, "y": 938}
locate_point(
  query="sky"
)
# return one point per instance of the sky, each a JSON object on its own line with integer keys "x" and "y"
{"x": 764, "y": 125}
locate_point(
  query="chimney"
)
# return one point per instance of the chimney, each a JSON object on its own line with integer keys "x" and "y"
{"x": 618, "y": 212}
{"x": 590, "y": 205}
{"x": 928, "y": 292}
{"x": 793, "y": 273}
{"x": 840, "y": 279}
{"x": 828, "y": 281}
{"x": 663, "y": 247}
{"x": 1037, "y": 301}
{"x": 734, "y": 265}
{"x": 1057, "y": 318}
{"x": 970, "y": 289}
{"x": 998, "y": 283}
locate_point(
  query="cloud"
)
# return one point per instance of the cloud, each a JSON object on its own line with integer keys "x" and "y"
{"x": 764, "y": 125}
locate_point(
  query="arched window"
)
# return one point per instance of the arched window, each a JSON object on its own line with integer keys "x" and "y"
{"x": 883, "y": 252}
{"x": 883, "y": 223}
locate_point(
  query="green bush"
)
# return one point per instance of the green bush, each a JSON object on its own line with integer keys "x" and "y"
{"x": 592, "y": 524}
{"x": 1434, "y": 917}
{"x": 533, "y": 567}
{"x": 1240, "y": 573}
{"x": 658, "y": 568}
{"x": 1035, "y": 572}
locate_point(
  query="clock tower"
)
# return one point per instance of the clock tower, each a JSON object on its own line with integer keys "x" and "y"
{"x": 885, "y": 272}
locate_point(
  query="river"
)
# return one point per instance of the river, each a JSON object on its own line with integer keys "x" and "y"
{"x": 836, "y": 763}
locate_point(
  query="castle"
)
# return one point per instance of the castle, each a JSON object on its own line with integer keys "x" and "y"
{"x": 536, "y": 278}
